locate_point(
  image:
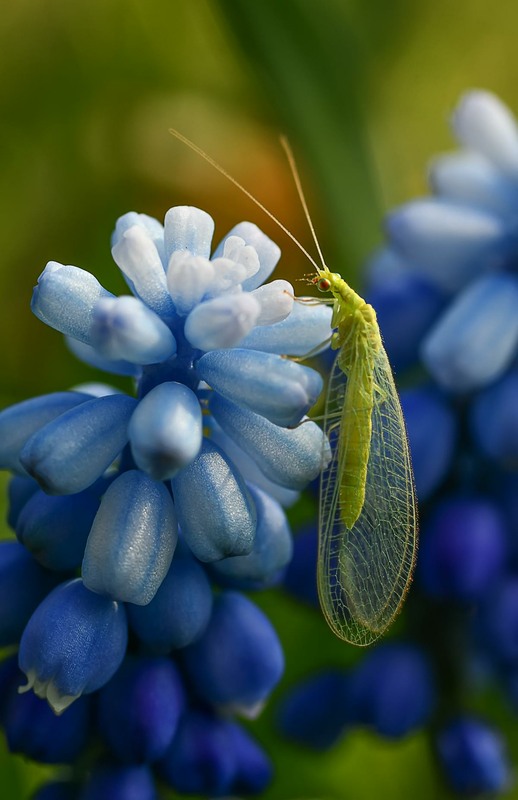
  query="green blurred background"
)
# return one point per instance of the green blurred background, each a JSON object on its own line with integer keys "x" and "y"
{"x": 363, "y": 89}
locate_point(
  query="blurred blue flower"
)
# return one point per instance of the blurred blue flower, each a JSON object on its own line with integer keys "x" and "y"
{"x": 116, "y": 782}
{"x": 315, "y": 713}
{"x": 473, "y": 757}
{"x": 463, "y": 548}
{"x": 392, "y": 690}
{"x": 57, "y": 790}
{"x": 445, "y": 287}
{"x": 300, "y": 578}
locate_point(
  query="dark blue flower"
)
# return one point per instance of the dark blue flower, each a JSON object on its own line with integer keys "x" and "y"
{"x": 180, "y": 610}
{"x": 315, "y": 712}
{"x": 139, "y": 708}
{"x": 473, "y": 756}
{"x": 301, "y": 575}
{"x": 73, "y": 643}
{"x": 201, "y": 758}
{"x": 463, "y": 548}
{"x": 57, "y": 790}
{"x": 23, "y": 585}
{"x": 426, "y": 409}
{"x": 392, "y": 690}
{"x": 116, "y": 782}
{"x": 32, "y": 728}
{"x": 238, "y": 660}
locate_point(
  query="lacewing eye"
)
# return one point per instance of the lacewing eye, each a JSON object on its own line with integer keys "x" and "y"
{"x": 324, "y": 284}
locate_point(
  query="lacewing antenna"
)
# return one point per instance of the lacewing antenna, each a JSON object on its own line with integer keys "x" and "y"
{"x": 298, "y": 185}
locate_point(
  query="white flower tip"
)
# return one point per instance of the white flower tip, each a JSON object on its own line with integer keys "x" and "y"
{"x": 47, "y": 690}
{"x": 31, "y": 680}
{"x": 247, "y": 711}
{"x": 236, "y": 249}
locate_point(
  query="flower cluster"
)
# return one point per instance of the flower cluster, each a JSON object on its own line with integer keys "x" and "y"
{"x": 445, "y": 288}
{"x": 128, "y": 508}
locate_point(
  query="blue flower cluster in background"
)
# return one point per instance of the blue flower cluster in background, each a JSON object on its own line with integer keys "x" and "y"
{"x": 129, "y": 509}
{"x": 445, "y": 288}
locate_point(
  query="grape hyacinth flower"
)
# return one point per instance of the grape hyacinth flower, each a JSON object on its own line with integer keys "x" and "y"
{"x": 445, "y": 288}
{"x": 128, "y": 508}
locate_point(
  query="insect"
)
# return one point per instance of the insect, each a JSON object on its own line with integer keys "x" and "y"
{"x": 367, "y": 509}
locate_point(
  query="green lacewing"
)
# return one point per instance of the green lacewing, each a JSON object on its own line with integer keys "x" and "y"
{"x": 367, "y": 510}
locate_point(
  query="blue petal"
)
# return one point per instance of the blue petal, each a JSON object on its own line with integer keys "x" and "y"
{"x": 276, "y": 300}
{"x": 23, "y": 585}
{"x": 188, "y": 228}
{"x": 494, "y": 420}
{"x": 228, "y": 276}
{"x": 469, "y": 178}
{"x": 406, "y": 306}
{"x": 425, "y": 410}
{"x": 73, "y": 643}
{"x": 300, "y": 579}
{"x": 315, "y": 712}
{"x": 179, "y": 612}
{"x": 268, "y": 252}
{"x": 20, "y": 491}
{"x": 19, "y": 422}
{"x": 65, "y": 298}
{"x": 215, "y": 512}
{"x": 249, "y": 469}
{"x": 189, "y": 279}
{"x": 498, "y": 623}
{"x": 385, "y": 265}
{"x": 271, "y": 552}
{"x": 474, "y": 757}
{"x": 123, "y": 328}
{"x": 236, "y": 249}
{"x": 477, "y": 337}
{"x": 32, "y": 729}
{"x": 87, "y": 354}
{"x": 201, "y": 759}
{"x": 307, "y": 330}
{"x": 166, "y": 430}
{"x": 221, "y": 322}
{"x": 151, "y": 225}
{"x": 254, "y": 768}
{"x": 55, "y": 529}
{"x": 70, "y": 453}
{"x": 114, "y": 782}
{"x": 392, "y": 690}
{"x": 278, "y": 389}
{"x": 463, "y": 549}
{"x": 447, "y": 242}
{"x": 136, "y": 254}
{"x": 139, "y": 709}
{"x": 484, "y": 123}
{"x": 132, "y": 541}
{"x": 289, "y": 456}
{"x": 238, "y": 660}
